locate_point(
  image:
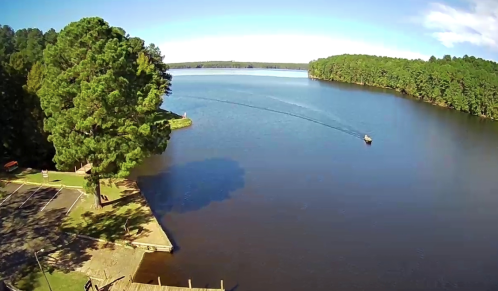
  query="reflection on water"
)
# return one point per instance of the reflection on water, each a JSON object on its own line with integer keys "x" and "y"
{"x": 268, "y": 201}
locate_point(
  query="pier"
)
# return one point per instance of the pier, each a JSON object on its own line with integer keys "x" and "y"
{"x": 126, "y": 284}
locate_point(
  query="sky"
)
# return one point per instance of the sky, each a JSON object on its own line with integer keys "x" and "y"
{"x": 295, "y": 31}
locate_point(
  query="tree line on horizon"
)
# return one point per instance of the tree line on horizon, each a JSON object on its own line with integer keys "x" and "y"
{"x": 90, "y": 93}
{"x": 238, "y": 65}
{"x": 466, "y": 84}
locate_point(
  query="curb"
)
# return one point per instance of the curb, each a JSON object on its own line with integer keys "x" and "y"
{"x": 167, "y": 248}
{"x": 158, "y": 247}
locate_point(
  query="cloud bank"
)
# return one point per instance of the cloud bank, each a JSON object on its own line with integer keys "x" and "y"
{"x": 477, "y": 25}
{"x": 273, "y": 48}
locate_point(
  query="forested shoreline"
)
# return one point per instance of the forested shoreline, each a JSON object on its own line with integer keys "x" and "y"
{"x": 88, "y": 94}
{"x": 238, "y": 65}
{"x": 466, "y": 84}
{"x": 21, "y": 117}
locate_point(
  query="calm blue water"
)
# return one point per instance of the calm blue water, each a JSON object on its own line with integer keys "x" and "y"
{"x": 272, "y": 188}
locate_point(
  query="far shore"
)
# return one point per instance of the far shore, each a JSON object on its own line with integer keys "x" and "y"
{"x": 273, "y": 69}
{"x": 443, "y": 105}
{"x": 238, "y": 65}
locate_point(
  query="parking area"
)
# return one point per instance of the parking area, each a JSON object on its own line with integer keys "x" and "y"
{"x": 30, "y": 219}
{"x": 38, "y": 198}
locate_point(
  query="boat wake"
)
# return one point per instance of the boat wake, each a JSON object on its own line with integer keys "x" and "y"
{"x": 341, "y": 128}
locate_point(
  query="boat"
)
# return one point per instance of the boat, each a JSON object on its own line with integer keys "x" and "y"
{"x": 367, "y": 139}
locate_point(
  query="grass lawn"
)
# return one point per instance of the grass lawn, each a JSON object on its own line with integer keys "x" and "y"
{"x": 125, "y": 206}
{"x": 58, "y": 178}
{"x": 3, "y": 193}
{"x": 180, "y": 123}
{"x": 176, "y": 121}
{"x": 76, "y": 216}
{"x": 72, "y": 281}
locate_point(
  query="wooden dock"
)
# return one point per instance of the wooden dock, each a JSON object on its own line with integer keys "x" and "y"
{"x": 125, "y": 284}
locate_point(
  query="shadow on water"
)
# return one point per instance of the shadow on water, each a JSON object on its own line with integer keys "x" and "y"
{"x": 158, "y": 265}
{"x": 192, "y": 186}
{"x": 181, "y": 189}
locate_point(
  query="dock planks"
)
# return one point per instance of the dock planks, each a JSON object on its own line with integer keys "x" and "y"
{"x": 125, "y": 285}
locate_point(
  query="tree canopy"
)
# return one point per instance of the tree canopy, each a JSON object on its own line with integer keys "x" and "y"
{"x": 238, "y": 65}
{"x": 21, "y": 118}
{"x": 101, "y": 93}
{"x": 467, "y": 84}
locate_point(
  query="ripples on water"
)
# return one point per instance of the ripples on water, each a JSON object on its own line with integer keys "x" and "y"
{"x": 261, "y": 193}
{"x": 341, "y": 128}
{"x": 336, "y": 125}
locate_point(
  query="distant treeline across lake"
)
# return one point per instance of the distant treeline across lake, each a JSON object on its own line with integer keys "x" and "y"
{"x": 238, "y": 65}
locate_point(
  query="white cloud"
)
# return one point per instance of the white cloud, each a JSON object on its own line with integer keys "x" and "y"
{"x": 478, "y": 26}
{"x": 273, "y": 48}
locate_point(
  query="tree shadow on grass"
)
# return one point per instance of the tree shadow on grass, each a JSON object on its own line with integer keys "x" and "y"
{"x": 110, "y": 224}
{"x": 128, "y": 191}
{"x": 192, "y": 186}
{"x": 127, "y": 196}
{"x": 28, "y": 278}
{"x": 24, "y": 231}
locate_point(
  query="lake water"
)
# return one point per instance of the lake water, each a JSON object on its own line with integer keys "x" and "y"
{"x": 272, "y": 188}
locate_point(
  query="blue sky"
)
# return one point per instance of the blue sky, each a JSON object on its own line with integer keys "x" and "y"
{"x": 282, "y": 31}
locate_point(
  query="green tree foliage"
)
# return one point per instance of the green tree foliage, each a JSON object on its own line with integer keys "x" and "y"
{"x": 101, "y": 93}
{"x": 21, "y": 118}
{"x": 50, "y": 36}
{"x": 467, "y": 84}
{"x": 6, "y": 42}
{"x": 238, "y": 65}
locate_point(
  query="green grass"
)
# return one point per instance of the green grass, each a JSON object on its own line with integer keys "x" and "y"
{"x": 180, "y": 123}
{"x": 72, "y": 281}
{"x": 111, "y": 191}
{"x": 64, "y": 178}
{"x": 106, "y": 223}
{"x": 124, "y": 204}
{"x": 176, "y": 121}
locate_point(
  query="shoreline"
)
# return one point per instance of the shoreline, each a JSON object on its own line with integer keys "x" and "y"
{"x": 231, "y": 68}
{"x": 109, "y": 252}
{"x": 176, "y": 124}
{"x": 160, "y": 242}
{"x": 442, "y": 105}
{"x": 176, "y": 121}
{"x": 158, "y": 239}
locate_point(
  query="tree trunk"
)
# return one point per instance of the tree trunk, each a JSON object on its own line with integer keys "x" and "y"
{"x": 97, "y": 199}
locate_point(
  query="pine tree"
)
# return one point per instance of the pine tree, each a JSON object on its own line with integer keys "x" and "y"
{"x": 102, "y": 95}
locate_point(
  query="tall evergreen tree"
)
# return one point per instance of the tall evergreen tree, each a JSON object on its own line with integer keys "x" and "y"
{"x": 102, "y": 93}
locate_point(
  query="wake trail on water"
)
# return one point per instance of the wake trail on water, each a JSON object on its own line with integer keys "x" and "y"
{"x": 342, "y": 129}
{"x": 330, "y": 115}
